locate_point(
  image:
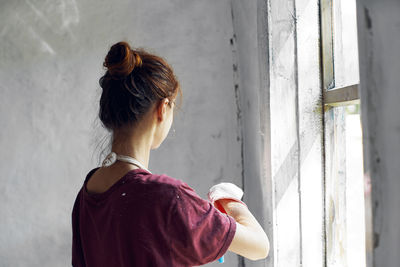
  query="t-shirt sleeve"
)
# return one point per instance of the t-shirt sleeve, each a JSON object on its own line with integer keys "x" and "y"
{"x": 199, "y": 232}
{"x": 77, "y": 251}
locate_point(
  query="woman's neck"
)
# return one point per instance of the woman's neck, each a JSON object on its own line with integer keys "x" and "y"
{"x": 134, "y": 143}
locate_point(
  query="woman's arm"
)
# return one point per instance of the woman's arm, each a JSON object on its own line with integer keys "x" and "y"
{"x": 250, "y": 240}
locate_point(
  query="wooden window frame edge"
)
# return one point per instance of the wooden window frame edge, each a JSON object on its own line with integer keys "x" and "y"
{"x": 342, "y": 96}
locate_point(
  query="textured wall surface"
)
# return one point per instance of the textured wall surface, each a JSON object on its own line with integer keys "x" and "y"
{"x": 51, "y": 55}
{"x": 251, "y": 114}
{"x": 379, "y": 42}
{"x": 246, "y": 52}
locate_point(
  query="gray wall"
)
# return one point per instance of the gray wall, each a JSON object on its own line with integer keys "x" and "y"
{"x": 251, "y": 114}
{"x": 249, "y": 53}
{"x": 51, "y": 55}
{"x": 379, "y": 43}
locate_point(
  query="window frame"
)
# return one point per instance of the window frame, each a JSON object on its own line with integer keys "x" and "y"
{"x": 334, "y": 99}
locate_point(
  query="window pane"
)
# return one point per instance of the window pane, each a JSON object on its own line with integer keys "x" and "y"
{"x": 355, "y": 208}
{"x": 335, "y": 187}
{"x": 345, "y": 48}
{"x": 344, "y": 187}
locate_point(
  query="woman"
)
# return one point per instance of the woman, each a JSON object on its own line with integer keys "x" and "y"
{"x": 126, "y": 216}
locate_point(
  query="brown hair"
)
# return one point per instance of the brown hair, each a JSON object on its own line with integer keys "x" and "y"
{"x": 134, "y": 80}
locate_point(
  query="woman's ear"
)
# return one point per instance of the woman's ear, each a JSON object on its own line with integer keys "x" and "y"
{"x": 162, "y": 109}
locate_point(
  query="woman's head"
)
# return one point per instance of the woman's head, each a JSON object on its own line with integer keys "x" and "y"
{"x": 136, "y": 85}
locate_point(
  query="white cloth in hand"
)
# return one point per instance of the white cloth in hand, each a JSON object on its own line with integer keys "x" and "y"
{"x": 225, "y": 191}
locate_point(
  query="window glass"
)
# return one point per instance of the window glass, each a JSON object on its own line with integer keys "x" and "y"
{"x": 355, "y": 185}
{"x": 344, "y": 205}
{"x": 345, "y": 48}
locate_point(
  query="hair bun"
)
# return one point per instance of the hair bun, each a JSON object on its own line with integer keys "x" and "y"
{"x": 121, "y": 60}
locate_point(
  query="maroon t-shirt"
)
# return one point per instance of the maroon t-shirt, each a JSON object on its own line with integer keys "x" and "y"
{"x": 146, "y": 219}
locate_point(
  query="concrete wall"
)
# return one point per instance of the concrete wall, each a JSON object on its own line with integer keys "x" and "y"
{"x": 379, "y": 42}
{"x": 51, "y": 55}
{"x": 251, "y": 114}
{"x": 250, "y": 49}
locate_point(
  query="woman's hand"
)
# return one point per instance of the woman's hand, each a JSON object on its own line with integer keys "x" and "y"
{"x": 250, "y": 239}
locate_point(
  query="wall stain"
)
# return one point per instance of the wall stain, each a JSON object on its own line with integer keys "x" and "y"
{"x": 376, "y": 240}
{"x": 217, "y": 136}
{"x": 236, "y": 82}
{"x": 368, "y": 19}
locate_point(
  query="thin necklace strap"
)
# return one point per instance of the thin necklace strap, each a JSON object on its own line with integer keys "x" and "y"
{"x": 113, "y": 157}
{"x": 131, "y": 160}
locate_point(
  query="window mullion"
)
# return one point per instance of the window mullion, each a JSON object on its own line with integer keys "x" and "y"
{"x": 347, "y": 95}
